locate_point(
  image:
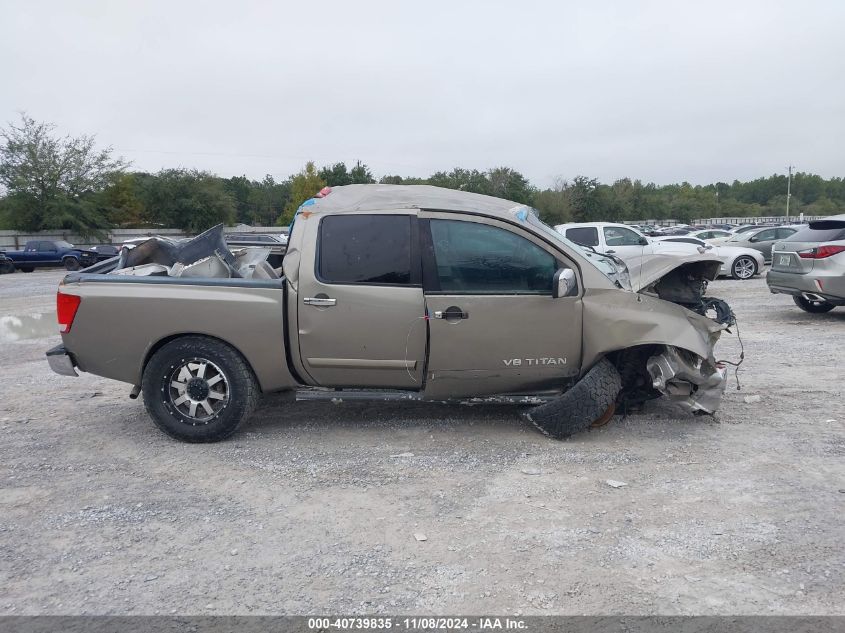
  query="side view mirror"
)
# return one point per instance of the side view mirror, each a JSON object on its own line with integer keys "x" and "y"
{"x": 565, "y": 283}
{"x": 643, "y": 241}
{"x": 753, "y": 238}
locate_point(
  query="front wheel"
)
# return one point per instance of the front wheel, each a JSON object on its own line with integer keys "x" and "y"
{"x": 199, "y": 389}
{"x": 71, "y": 263}
{"x": 814, "y": 307}
{"x": 590, "y": 401}
{"x": 744, "y": 267}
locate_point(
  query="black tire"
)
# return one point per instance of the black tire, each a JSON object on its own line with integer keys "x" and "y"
{"x": 26, "y": 269}
{"x": 583, "y": 404}
{"x": 6, "y": 268}
{"x": 744, "y": 267}
{"x": 164, "y": 369}
{"x": 71, "y": 263}
{"x": 814, "y": 307}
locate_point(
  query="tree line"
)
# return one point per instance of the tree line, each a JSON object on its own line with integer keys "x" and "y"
{"x": 54, "y": 182}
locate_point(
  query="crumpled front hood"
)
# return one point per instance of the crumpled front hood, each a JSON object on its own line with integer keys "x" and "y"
{"x": 652, "y": 267}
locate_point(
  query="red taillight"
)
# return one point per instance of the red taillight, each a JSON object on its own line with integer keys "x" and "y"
{"x": 66, "y": 307}
{"x": 820, "y": 252}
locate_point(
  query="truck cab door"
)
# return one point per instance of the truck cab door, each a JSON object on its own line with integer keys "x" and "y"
{"x": 29, "y": 255}
{"x": 47, "y": 253}
{"x": 359, "y": 301}
{"x": 494, "y": 325}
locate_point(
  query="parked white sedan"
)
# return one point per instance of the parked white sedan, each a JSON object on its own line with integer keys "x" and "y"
{"x": 737, "y": 262}
{"x": 711, "y": 235}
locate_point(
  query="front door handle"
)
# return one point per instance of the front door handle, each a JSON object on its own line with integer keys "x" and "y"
{"x": 319, "y": 301}
{"x": 452, "y": 313}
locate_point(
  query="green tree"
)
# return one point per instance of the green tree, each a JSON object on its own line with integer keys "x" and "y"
{"x": 336, "y": 175}
{"x": 267, "y": 200}
{"x": 361, "y": 175}
{"x": 187, "y": 199}
{"x": 306, "y": 184}
{"x": 509, "y": 184}
{"x": 463, "y": 179}
{"x": 554, "y": 204}
{"x": 240, "y": 187}
{"x": 586, "y": 200}
{"x": 121, "y": 203}
{"x": 50, "y": 180}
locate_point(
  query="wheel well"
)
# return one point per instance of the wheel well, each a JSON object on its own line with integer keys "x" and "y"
{"x": 636, "y": 381}
{"x": 169, "y": 339}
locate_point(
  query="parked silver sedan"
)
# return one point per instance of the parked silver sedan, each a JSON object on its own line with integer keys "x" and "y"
{"x": 810, "y": 265}
{"x": 760, "y": 239}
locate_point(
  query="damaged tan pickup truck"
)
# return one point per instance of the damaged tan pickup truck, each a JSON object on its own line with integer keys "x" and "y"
{"x": 394, "y": 293}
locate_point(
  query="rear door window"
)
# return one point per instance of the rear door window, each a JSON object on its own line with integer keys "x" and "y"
{"x": 618, "y": 236}
{"x": 584, "y": 235}
{"x": 365, "y": 249}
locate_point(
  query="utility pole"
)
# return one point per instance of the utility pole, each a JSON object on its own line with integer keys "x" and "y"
{"x": 788, "y": 191}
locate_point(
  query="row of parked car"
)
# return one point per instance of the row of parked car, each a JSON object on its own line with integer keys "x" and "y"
{"x": 807, "y": 260}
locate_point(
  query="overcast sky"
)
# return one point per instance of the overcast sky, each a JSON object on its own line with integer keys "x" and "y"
{"x": 661, "y": 91}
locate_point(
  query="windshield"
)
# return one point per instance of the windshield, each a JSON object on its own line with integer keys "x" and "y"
{"x": 611, "y": 267}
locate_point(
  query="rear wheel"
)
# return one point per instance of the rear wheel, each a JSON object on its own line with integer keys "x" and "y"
{"x": 71, "y": 263}
{"x": 26, "y": 269}
{"x": 6, "y": 268}
{"x": 815, "y": 307}
{"x": 744, "y": 267}
{"x": 198, "y": 389}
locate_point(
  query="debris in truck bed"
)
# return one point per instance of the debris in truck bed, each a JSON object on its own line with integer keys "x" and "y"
{"x": 205, "y": 255}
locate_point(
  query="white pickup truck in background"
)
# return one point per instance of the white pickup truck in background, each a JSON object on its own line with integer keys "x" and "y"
{"x": 644, "y": 255}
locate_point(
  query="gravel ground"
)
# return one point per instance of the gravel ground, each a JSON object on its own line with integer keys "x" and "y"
{"x": 314, "y": 507}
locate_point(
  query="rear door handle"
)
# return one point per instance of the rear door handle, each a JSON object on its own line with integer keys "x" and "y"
{"x": 319, "y": 301}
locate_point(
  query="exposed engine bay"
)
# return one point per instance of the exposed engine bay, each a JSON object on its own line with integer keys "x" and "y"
{"x": 687, "y": 286}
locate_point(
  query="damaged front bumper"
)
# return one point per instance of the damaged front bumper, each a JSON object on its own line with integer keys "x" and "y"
{"x": 687, "y": 379}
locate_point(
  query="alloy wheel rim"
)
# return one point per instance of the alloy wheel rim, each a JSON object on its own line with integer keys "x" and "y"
{"x": 744, "y": 268}
{"x": 198, "y": 389}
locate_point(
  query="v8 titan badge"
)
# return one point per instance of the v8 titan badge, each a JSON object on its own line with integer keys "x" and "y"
{"x": 532, "y": 362}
